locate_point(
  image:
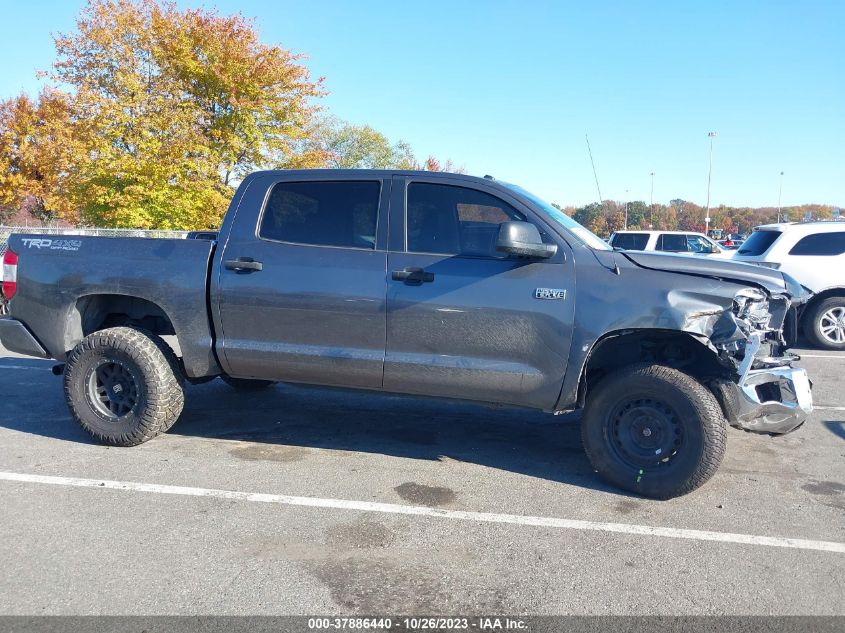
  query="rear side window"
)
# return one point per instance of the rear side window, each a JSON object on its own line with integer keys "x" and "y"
{"x": 453, "y": 220}
{"x": 758, "y": 242}
{"x": 630, "y": 241}
{"x": 322, "y": 213}
{"x": 820, "y": 244}
{"x": 671, "y": 242}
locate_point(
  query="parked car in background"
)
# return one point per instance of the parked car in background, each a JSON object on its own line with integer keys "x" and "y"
{"x": 669, "y": 241}
{"x": 814, "y": 254}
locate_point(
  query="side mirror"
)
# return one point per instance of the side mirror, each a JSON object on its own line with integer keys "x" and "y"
{"x": 714, "y": 248}
{"x": 523, "y": 239}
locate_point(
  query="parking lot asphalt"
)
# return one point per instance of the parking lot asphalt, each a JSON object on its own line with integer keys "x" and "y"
{"x": 376, "y": 504}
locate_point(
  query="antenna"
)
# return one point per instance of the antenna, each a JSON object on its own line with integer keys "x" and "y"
{"x": 592, "y": 162}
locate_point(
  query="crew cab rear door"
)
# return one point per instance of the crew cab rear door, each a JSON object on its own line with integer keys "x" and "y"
{"x": 463, "y": 320}
{"x": 300, "y": 291}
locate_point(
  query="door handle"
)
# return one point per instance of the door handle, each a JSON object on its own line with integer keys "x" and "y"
{"x": 413, "y": 276}
{"x": 244, "y": 265}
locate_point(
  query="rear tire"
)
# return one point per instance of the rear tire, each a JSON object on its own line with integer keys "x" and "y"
{"x": 246, "y": 384}
{"x": 824, "y": 324}
{"x": 653, "y": 430}
{"x": 123, "y": 386}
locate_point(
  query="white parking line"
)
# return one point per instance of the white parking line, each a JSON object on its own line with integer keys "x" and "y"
{"x": 821, "y": 356}
{"x": 824, "y": 407}
{"x": 461, "y": 515}
{"x": 42, "y": 368}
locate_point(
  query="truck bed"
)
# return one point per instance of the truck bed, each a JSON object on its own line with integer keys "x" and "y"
{"x": 81, "y": 280}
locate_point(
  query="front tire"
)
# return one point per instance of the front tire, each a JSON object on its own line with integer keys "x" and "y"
{"x": 123, "y": 386}
{"x": 824, "y": 324}
{"x": 653, "y": 430}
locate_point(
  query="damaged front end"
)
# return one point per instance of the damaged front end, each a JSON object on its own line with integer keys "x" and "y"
{"x": 766, "y": 393}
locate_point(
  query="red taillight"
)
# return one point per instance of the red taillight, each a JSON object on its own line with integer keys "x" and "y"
{"x": 10, "y": 273}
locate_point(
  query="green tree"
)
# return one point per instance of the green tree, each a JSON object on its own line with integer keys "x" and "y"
{"x": 637, "y": 214}
{"x": 343, "y": 145}
{"x": 592, "y": 216}
{"x": 347, "y": 146}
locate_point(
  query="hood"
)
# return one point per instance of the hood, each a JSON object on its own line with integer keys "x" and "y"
{"x": 724, "y": 269}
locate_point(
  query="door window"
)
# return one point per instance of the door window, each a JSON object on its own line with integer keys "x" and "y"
{"x": 451, "y": 220}
{"x": 820, "y": 244}
{"x": 322, "y": 213}
{"x": 698, "y": 244}
{"x": 672, "y": 242}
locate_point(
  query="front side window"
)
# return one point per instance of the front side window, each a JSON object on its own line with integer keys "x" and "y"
{"x": 820, "y": 244}
{"x": 672, "y": 242}
{"x": 450, "y": 220}
{"x": 698, "y": 244}
{"x": 322, "y": 213}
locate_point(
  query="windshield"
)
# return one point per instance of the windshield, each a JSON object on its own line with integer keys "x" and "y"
{"x": 585, "y": 236}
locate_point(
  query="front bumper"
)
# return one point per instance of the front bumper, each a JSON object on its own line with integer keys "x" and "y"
{"x": 773, "y": 400}
{"x": 16, "y": 338}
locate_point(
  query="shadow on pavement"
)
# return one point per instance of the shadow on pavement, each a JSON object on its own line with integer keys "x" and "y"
{"x": 837, "y": 428}
{"x": 523, "y": 441}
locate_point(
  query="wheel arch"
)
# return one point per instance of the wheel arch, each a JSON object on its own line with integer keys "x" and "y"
{"x": 827, "y": 293}
{"x": 614, "y": 350}
{"x": 807, "y": 319}
{"x": 94, "y": 312}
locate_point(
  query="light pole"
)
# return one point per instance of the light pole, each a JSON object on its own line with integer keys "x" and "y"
{"x": 780, "y": 191}
{"x": 711, "y": 135}
{"x": 651, "y": 204}
{"x": 626, "y": 209}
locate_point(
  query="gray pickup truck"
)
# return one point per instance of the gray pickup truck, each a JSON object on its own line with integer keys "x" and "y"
{"x": 421, "y": 283}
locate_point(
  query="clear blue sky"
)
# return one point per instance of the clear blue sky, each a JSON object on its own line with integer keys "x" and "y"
{"x": 511, "y": 88}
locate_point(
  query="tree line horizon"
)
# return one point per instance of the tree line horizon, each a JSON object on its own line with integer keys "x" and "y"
{"x": 681, "y": 215}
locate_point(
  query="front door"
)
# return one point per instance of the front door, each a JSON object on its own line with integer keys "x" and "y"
{"x": 464, "y": 321}
{"x": 301, "y": 282}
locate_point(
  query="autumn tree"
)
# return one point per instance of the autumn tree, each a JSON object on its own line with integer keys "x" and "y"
{"x": 253, "y": 99}
{"x": 435, "y": 164}
{"x": 162, "y": 111}
{"x": 36, "y": 154}
{"x": 615, "y": 222}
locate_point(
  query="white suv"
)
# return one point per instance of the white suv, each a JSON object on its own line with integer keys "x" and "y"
{"x": 813, "y": 253}
{"x": 683, "y": 242}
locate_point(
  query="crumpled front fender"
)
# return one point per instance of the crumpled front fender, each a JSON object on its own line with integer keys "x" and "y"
{"x": 701, "y": 314}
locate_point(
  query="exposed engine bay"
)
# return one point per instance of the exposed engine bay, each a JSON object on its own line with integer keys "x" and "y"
{"x": 768, "y": 393}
